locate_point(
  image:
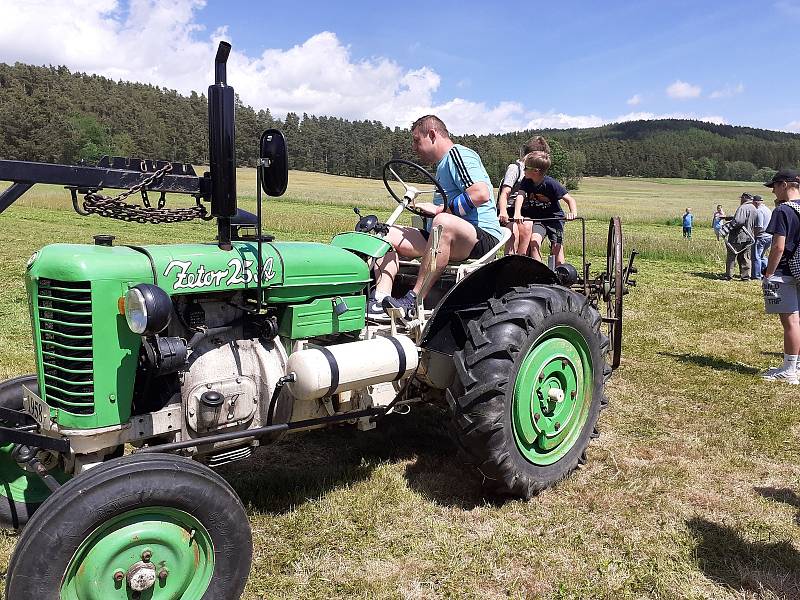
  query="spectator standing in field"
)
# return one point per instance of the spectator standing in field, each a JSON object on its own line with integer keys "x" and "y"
{"x": 515, "y": 173}
{"x": 740, "y": 238}
{"x": 763, "y": 239}
{"x": 469, "y": 220}
{"x": 717, "y": 218}
{"x": 539, "y": 199}
{"x": 781, "y": 286}
{"x": 688, "y": 219}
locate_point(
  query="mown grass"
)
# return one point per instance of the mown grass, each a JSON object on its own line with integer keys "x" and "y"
{"x": 690, "y": 492}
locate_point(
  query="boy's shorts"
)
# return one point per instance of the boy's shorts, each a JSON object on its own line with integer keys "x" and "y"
{"x": 552, "y": 230}
{"x": 788, "y": 290}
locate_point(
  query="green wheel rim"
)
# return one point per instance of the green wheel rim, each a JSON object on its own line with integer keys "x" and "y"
{"x": 180, "y": 550}
{"x": 552, "y": 395}
{"x": 20, "y": 486}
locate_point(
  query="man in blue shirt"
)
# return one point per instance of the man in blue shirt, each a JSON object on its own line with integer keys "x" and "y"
{"x": 763, "y": 239}
{"x": 470, "y": 226}
{"x": 688, "y": 219}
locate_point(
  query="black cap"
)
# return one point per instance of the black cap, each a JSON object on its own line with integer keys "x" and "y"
{"x": 757, "y": 198}
{"x": 783, "y": 175}
{"x": 746, "y": 196}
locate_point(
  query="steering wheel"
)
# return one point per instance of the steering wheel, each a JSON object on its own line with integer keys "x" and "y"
{"x": 411, "y": 192}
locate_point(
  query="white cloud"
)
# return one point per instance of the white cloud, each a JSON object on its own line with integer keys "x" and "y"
{"x": 634, "y": 100}
{"x": 320, "y": 77}
{"x": 728, "y": 91}
{"x": 681, "y": 90}
{"x": 793, "y": 126}
{"x": 160, "y": 42}
{"x": 155, "y": 42}
{"x": 553, "y": 120}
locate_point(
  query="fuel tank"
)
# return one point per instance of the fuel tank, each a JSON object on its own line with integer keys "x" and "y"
{"x": 332, "y": 369}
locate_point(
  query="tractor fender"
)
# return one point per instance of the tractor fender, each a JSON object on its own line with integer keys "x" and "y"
{"x": 445, "y": 330}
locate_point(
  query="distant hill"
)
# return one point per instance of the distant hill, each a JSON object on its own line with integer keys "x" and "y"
{"x": 682, "y": 148}
{"x": 51, "y": 114}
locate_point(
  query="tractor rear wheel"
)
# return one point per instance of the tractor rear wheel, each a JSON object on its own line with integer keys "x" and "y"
{"x": 21, "y": 492}
{"x": 529, "y": 388}
{"x": 140, "y": 526}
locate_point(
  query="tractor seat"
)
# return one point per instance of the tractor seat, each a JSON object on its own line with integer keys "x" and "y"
{"x": 461, "y": 269}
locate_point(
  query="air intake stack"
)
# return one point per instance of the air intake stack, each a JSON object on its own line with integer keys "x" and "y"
{"x": 222, "y": 147}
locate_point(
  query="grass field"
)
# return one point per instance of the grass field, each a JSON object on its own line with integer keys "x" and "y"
{"x": 692, "y": 490}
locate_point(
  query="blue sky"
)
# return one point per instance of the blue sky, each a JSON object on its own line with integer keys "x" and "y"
{"x": 485, "y": 67}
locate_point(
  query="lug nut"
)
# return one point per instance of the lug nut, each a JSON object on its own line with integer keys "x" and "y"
{"x": 572, "y": 394}
{"x": 119, "y": 575}
{"x": 558, "y": 425}
{"x": 162, "y": 574}
{"x": 147, "y": 555}
{"x": 541, "y": 376}
{"x": 536, "y": 417}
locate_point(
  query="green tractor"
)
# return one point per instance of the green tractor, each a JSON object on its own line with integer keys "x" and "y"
{"x": 156, "y": 364}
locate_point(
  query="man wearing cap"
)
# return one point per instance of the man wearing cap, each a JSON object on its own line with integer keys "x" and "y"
{"x": 763, "y": 239}
{"x": 781, "y": 286}
{"x": 740, "y": 238}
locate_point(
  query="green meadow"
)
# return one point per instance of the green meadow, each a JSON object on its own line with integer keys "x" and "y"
{"x": 692, "y": 489}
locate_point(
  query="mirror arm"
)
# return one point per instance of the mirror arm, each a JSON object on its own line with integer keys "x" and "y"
{"x": 259, "y": 267}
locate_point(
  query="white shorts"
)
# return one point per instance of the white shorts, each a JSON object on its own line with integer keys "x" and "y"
{"x": 788, "y": 300}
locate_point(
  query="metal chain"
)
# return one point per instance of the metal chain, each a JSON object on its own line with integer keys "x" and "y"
{"x": 115, "y": 208}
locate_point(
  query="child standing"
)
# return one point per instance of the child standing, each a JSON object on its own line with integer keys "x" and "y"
{"x": 716, "y": 220}
{"x": 688, "y": 219}
{"x": 539, "y": 199}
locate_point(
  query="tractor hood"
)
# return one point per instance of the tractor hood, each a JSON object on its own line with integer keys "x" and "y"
{"x": 291, "y": 271}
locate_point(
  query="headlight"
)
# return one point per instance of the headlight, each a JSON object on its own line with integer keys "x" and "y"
{"x": 148, "y": 309}
{"x": 31, "y": 260}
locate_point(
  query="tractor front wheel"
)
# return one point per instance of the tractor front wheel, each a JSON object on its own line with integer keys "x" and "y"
{"x": 529, "y": 387}
{"x": 21, "y": 492}
{"x": 140, "y": 526}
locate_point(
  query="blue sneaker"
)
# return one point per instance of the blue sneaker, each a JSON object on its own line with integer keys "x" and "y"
{"x": 408, "y": 304}
{"x": 375, "y": 311}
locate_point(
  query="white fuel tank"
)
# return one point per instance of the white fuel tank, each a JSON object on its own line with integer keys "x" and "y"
{"x": 328, "y": 370}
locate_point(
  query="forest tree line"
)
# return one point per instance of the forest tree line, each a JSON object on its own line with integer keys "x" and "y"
{"x": 50, "y": 114}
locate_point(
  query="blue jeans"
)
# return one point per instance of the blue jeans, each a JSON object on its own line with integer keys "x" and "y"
{"x": 759, "y": 262}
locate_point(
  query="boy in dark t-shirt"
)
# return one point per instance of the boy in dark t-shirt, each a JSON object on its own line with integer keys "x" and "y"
{"x": 781, "y": 288}
{"x": 538, "y": 199}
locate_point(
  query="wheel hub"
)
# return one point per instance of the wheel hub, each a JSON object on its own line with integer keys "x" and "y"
{"x": 158, "y": 548}
{"x": 550, "y": 395}
{"x": 141, "y": 576}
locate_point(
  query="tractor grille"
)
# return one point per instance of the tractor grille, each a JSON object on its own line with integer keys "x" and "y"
{"x": 65, "y": 318}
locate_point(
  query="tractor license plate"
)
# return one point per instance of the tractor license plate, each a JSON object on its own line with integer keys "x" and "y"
{"x": 36, "y": 408}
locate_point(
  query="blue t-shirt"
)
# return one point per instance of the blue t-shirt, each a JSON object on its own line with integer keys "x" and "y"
{"x": 459, "y": 169}
{"x": 687, "y": 219}
{"x": 542, "y": 199}
{"x": 785, "y": 222}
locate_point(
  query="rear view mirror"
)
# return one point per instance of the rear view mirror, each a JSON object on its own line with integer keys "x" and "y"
{"x": 274, "y": 166}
